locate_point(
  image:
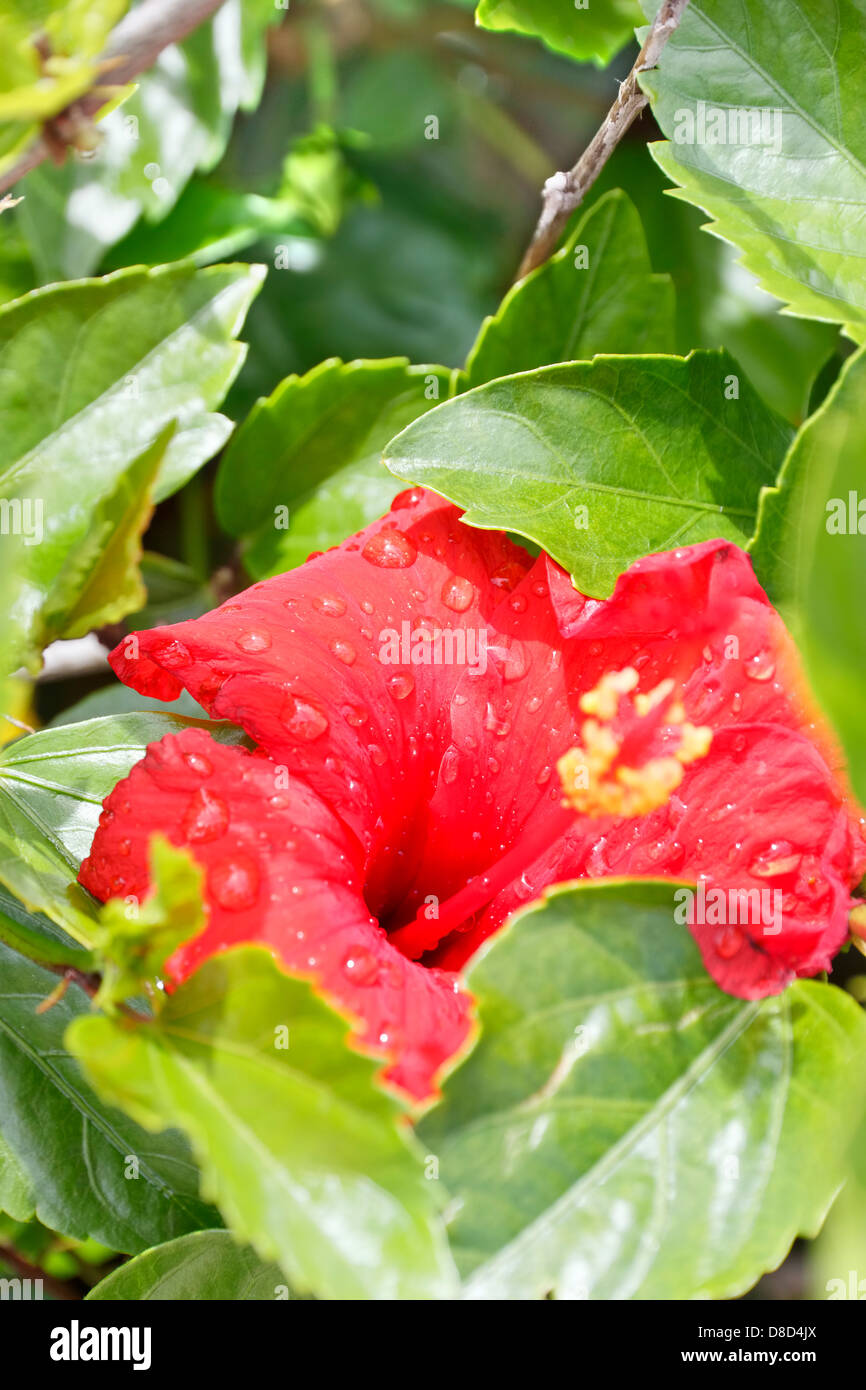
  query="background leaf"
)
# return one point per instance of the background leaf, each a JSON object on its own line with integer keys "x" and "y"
{"x": 597, "y": 30}
{"x": 815, "y": 571}
{"x": 565, "y": 311}
{"x": 328, "y": 426}
{"x": 203, "y": 1266}
{"x": 302, "y": 1151}
{"x": 112, "y": 362}
{"x": 649, "y": 446}
{"x": 74, "y": 1149}
{"x": 792, "y": 202}
{"x": 623, "y": 1129}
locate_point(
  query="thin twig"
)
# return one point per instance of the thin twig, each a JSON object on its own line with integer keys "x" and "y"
{"x": 133, "y": 46}
{"x": 565, "y": 191}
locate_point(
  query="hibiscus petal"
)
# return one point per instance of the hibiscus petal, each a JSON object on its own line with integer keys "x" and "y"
{"x": 283, "y": 870}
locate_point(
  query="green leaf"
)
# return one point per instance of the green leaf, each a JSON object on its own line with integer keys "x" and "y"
{"x": 595, "y": 30}
{"x": 17, "y": 1197}
{"x": 304, "y": 1154}
{"x": 597, "y": 294}
{"x": 99, "y": 580}
{"x": 790, "y": 199}
{"x": 52, "y": 786}
{"x": 329, "y": 426}
{"x": 201, "y": 1267}
{"x": 178, "y": 120}
{"x": 77, "y": 1152}
{"x": 601, "y": 462}
{"x": 810, "y": 555}
{"x": 623, "y": 1129}
{"x": 111, "y": 363}
{"x": 133, "y": 946}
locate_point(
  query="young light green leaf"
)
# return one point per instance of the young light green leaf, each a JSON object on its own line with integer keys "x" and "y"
{"x": 326, "y": 428}
{"x": 595, "y": 30}
{"x": 52, "y": 786}
{"x": 94, "y": 1171}
{"x": 810, "y": 554}
{"x": 133, "y": 941}
{"x": 767, "y": 133}
{"x": 201, "y": 1267}
{"x": 304, "y": 1154}
{"x": 602, "y": 462}
{"x": 597, "y": 294}
{"x": 111, "y": 362}
{"x": 623, "y": 1129}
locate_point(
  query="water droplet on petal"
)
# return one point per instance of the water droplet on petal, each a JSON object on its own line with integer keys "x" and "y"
{"x": 330, "y": 606}
{"x": 761, "y": 667}
{"x": 508, "y": 576}
{"x": 303, "y": 720}
{"x": 343, "y": 651}
{"x": 197, "y": 762}
{"x": 355, "y": 715}
{"x": 517, "y": 602}
{"x": 389, "y": 549}
{"x": 458, "y": 593}
{"x": 378, "y": 755}
{"x": 729, "y": 942}
{"x": 410, "y": 497}
{"x": 171, "y": 654}
{"x": 401, "y": 685}
{"x": 254, "y": 640}
{"x": 361, "y": 966}
{"x": 235, "y": 883}
{"x": 206, "y": 817}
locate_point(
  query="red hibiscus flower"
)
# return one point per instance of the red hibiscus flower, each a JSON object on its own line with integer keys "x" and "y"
{"x": 443, "y": 728}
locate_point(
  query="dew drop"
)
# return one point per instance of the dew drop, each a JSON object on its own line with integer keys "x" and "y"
{"x": 409, "y": 497}
{"x": 450, "y": 765}
{"x": 235, "y": 883}
{"x": 197, "y": 762}
{"x": 389, "y": 549}
{"x": 401, "y": 685}
{"x": 254, "y": 640}
{"x": 206, "y": 817}
{"x": 171, "y": 654}
{"x": 303, "y": 720}
{"x": 343, "y": 651}
{"x": 361, "y": 966}
{"x": 517, "y": 602}
{"x": 761, "y": 667}
{"x": 508, "y": 576}
{"x": 729, "y": 942}
{"x": 378, "y": 755}
{"x": 330, "y": 606}
{"x": 457, "y": 593}
{"x": 355, "y": 715}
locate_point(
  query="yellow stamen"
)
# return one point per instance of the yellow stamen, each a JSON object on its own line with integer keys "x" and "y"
{"x": 591, "y": 783}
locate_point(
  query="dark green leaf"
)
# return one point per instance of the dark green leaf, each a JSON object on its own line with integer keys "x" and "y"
{"x": 329, "y": 426}
{"x": 623, "y": 1129}
{"x": 767, "y": 133}
{"x": 81, "y": 1156}
{"x": 810, "y": 554}
{"x": 201, "y": 1267}
{"x": 602, "y": 462}
{"x": 597, "y": 294}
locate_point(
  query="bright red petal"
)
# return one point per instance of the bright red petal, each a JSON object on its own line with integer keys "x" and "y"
{"x": 282, "y": 870}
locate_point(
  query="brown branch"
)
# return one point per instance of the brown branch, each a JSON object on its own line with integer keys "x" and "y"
{"x": 566, "y": 191}
{"x": 133, "y": 46}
